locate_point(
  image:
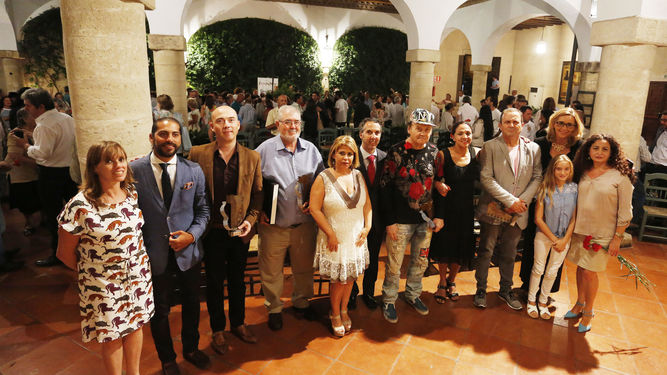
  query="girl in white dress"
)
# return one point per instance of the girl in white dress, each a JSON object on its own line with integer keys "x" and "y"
{"x": 340, "y": 205}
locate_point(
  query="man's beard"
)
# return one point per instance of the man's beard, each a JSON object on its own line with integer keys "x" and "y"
{"x": 158, "y": 149}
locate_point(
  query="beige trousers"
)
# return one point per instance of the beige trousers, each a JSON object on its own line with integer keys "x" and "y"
{"x": 274, "y": 242}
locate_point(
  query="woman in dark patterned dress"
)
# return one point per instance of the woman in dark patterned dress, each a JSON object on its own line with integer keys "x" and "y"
{"x": 454, "y": 245}
{"x": 100, "y": 236}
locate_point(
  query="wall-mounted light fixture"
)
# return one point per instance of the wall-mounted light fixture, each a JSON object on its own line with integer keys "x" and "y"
{"x": 541, "y": 46}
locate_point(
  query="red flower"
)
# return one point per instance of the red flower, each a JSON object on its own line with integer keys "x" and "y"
{"x": 597, "y": 247}
{"x": 403, "y": 172}
{"x": 416, "y": 190}
{"x": 428, "y": 182}
{"x": 587, "y": 242}
{"x": 412, "y": 172}
{"x": 407, "y": 145}
{"x": 391, "y": 165}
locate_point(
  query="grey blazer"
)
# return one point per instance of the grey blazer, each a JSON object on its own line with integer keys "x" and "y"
{"x": 498, "y": 179}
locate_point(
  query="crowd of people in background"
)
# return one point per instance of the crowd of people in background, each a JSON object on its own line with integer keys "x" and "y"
{"x": 133, "y": 230}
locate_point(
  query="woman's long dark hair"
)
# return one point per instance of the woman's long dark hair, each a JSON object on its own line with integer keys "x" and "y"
{"x": 617, "y": 159}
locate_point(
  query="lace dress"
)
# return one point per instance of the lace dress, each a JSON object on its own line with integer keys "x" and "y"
{"x": 349, "y": 261}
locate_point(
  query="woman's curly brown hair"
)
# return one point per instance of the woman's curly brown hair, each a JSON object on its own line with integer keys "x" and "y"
{"x": 617, "y": 159}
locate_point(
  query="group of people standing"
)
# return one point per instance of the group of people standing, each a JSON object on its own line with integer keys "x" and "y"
{"x": 133, "y": 226}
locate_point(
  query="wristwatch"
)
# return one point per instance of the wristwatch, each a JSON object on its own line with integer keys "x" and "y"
{"x": 619, "y": 235}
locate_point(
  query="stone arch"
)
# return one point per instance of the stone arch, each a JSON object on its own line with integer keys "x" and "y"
{"x": 425, "y": 20}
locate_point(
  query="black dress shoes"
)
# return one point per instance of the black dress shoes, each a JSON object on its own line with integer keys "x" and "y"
{"x": 370, "y": 301}
{"x": 49, "y": 261}
{"x": 170, "y": 368}
{"x": 307, "y": 313}
{"x": 352, "y": 302}
{"x": 198, "y": 358}
{"x": 276, "y": 321}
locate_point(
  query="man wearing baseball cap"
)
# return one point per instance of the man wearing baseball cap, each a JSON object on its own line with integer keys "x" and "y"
{"x": 407, "y": 207}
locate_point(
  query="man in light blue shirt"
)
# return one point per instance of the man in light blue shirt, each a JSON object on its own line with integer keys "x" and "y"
{"x": 292, "y": 163}
{"x": 247, "y": 115}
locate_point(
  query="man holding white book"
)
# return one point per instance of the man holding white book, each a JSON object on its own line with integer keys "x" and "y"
{"x": 292, "y": 163}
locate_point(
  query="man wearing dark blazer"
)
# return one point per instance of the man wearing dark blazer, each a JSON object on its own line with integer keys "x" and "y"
{"x": 234, "y": 178}
{"x": 172, "y": 197}
{"x": 371, "y": 166}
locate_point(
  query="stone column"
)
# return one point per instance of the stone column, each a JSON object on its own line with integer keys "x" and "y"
{"x": 11, "y": 71}
{"x": 628, "y": 51}
{"x": 169, "y": 62}
{"x": 107, "y": 69}
{"x": 479, "y": 75}
{"x": 422, "y": 63}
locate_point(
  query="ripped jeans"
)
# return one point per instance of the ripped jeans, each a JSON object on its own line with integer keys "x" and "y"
{"x": 419, "y": 237}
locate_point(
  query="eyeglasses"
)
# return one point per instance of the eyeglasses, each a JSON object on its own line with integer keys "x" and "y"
{"x": 566, "y": 124}
{"x": 291, "y": 122}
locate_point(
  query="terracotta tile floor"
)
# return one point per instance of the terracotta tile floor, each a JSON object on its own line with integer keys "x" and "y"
{"x": 39, "y": 329}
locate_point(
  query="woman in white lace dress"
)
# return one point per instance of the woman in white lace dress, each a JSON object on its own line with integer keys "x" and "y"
{"x": 341, "y": 208}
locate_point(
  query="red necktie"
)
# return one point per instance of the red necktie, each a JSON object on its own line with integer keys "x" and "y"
{"x": 371, "y": 168}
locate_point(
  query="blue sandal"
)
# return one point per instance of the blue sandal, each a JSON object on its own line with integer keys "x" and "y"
{"x": 570, "y": 315}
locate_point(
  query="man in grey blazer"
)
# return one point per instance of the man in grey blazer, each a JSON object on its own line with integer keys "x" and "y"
{"x": 172, "y": 198}
{"x": 511, "y": 173}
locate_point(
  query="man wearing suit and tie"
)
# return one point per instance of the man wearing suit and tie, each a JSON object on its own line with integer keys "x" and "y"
{"x": 371, "y": 168}
{"x": 234, "y": 177}
{"x": 511, "y": 173}
{"x": 172, "y": 197}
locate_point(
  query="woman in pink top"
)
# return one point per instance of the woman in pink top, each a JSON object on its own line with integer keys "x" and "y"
{"x": 604, "y": 210}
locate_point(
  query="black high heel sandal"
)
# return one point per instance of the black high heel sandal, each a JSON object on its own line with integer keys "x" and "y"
{"x": 454, "y": 296}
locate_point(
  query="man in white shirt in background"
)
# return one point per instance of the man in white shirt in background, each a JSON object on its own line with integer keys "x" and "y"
{"x": 467, "y": 113}
{"x": 492, "y": 102}
{"x": 340, "y": 107}
{"x": 272, "y": 116}
{"x": 54, "y": 139}
{"x": 397, "y": 114}
{"x": 659, "y": 153}
{"x": 529, "y": 128}
{"x": 299, "y": 103}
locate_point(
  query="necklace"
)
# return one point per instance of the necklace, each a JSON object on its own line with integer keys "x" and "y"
{"x": 558, "y": 147}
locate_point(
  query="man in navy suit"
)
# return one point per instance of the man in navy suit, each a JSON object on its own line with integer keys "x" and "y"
{"x": 172, "y": 197}
{"x": 371, "y": 166}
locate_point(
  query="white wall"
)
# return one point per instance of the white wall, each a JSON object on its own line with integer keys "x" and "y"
{"x": 531, "y": 69}
{"x": 659, "y": 70}
{"x": 454, "y": 45}
{"x": 518, "y": 59}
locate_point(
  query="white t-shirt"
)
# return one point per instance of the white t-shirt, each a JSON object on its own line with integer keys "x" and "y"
{"x": 496, "y": 115}
{"x": 529, "y": 129}
{"x": 341, "y": 110}
{"x": 54, "y": 138}
{"x": 468, "y": 114}
{"x": 660, "y": 150}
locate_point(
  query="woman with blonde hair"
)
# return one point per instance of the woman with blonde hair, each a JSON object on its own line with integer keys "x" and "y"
{"x": 563, "y": 138}
{"x": 340, "y": 206}
{"x": 100, "y": 237}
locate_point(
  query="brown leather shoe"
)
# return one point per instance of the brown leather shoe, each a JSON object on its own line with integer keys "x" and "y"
{"x": 218, "y": 343}
{"x": 244, "y": 333}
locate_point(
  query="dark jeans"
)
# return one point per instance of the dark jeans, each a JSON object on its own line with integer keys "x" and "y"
{"x": 528, "y": 254}
{"x": 163, "y": 288}
{"x": 501, "y": 239}
{"x": 225, "y": 258}
{"x": 55, "y": 189}
{"x": 371, "y": 273}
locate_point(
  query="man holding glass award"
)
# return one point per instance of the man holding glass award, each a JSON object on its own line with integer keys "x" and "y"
{"x": 234, "y": 190}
